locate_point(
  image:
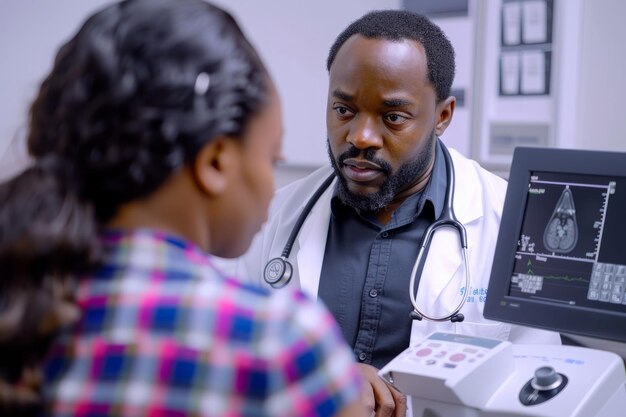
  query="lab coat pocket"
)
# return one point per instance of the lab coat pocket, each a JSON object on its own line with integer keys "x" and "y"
{"x": 494, "y": 330}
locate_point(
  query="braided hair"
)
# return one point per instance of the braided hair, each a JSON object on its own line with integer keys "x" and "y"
{"x": 131, "y": 98}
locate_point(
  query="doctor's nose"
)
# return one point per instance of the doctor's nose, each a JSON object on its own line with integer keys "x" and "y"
{"x": 364, "y": 134}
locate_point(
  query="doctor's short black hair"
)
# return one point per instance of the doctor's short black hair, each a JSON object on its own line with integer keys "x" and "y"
{"x": 396, "y": 25}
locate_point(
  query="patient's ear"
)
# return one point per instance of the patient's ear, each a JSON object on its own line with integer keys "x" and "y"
{"x": 214, "y": 165}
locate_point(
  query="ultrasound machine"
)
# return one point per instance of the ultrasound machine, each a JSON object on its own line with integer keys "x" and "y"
{"x": 560, "y": 264}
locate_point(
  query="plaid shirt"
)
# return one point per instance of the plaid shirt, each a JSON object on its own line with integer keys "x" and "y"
{"x": 164, "y": 333}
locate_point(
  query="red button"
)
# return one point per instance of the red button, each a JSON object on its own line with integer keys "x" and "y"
{"x": 457, "y": 357}
{"x": 423, "y": 352}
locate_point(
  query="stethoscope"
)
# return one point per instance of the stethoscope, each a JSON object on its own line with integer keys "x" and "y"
{"x": 278, "y": 271}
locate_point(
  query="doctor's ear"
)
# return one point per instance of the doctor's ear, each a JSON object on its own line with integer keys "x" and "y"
{"x": 445, "y": 110}
{"x": 214, "y": 164}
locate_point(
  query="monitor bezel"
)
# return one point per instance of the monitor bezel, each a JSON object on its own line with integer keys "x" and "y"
{"x": 499, "y": 306}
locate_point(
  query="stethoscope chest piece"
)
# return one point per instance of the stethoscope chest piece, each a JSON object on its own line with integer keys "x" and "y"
{"x": 278, "y": 272}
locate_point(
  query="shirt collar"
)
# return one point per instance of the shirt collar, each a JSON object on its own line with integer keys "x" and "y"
{"x": 149, "y": 248}
{"x": 435, "y": 191}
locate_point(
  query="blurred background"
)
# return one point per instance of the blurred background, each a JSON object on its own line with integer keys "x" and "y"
{"x": 529, "y": 72}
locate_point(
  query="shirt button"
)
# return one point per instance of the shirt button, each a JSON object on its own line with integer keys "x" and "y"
{"x": 373, "y": 293}
{"x": 362, "y": 356}
{"x": 385, "y": 234}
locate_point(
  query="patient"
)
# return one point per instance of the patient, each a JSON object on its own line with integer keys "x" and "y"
{"x": 153, "y": 140}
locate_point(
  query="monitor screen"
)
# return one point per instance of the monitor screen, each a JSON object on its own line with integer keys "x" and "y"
{"x": 560, "y": 260}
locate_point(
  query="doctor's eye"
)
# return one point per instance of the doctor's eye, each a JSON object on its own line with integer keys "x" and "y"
{"x": 395, "y": 118}
{"x": 342, "y": 111}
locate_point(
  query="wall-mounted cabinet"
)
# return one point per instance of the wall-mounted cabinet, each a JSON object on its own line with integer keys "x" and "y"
{"x": 547, "y": 73}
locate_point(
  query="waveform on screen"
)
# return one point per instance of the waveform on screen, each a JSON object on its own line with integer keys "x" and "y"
{"x": 565, "y": 278}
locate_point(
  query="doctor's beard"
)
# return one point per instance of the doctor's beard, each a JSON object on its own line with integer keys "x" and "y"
{"x": 394, "y": 184}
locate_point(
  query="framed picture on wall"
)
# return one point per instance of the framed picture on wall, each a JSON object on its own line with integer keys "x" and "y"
{"x": 525, "y": 72}
{"x": 525, "y": 47}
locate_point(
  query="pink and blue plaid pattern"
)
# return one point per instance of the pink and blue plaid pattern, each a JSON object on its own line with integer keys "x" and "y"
{"x": 165, "y": 334}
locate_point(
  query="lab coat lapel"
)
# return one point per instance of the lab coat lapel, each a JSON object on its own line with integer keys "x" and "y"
{"x": 312, "y": 244}
{"x": 444, "y": 272}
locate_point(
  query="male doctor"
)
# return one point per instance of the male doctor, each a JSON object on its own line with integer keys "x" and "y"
{"x": 388, "y": 103}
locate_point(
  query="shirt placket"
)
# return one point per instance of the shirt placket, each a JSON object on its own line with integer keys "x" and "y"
{"x": 377, "y": 268}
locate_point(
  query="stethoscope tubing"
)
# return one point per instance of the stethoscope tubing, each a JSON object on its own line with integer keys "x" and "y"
{"x": 304, "y": 214}
{"x": 278, "y": 271}
{"x": 457, "y": 309}
{"x": 446, "y": 219}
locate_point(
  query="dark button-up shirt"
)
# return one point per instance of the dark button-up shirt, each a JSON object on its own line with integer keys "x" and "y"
{"x": 367, "y": 266}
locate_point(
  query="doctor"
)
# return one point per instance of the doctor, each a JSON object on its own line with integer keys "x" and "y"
{"x": 388, "y": 103}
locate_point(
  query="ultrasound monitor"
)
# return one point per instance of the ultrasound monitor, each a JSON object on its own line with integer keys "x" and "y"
{"x": 560, "y": 258}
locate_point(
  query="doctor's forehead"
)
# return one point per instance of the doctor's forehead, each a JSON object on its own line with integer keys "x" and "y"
{"x": 368, "y": 63}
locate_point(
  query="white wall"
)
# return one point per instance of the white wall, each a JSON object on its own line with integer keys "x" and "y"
{"x": 30, "y": 33}
{"x": 592, "y": 80}
{"x": 600, "y": 117}
{"x": 460, "y": 30}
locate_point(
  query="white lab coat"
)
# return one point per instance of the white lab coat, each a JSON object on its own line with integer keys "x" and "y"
{"x": 478, "y": 200}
